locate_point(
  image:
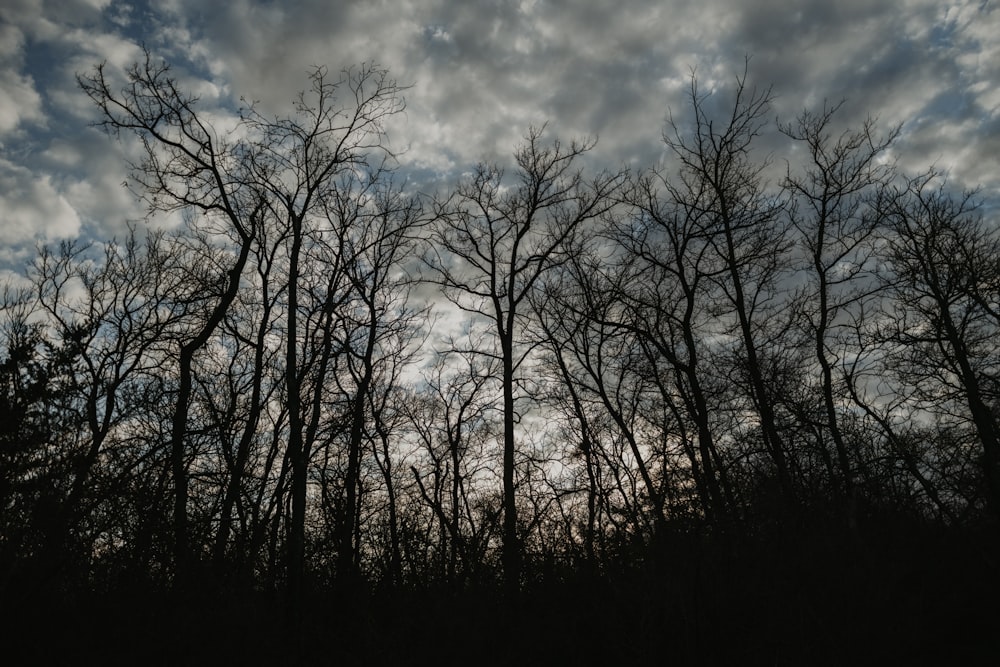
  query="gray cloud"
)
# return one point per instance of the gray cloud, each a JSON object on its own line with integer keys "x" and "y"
{"x": 33, "y": 207}
{"x": 20, "y": 102}
{"x": 481, "y": 73}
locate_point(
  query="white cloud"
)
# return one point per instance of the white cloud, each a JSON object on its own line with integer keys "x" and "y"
{"x": 19, "y": 100}
{"x": 31, "y": 208}
{"x": 483, "y": 72}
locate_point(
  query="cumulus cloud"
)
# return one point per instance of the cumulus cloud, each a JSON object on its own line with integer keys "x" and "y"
{"x": 32, "y": 207}
{"x": 482, "y": 73}
{"x": 19, "y": 99}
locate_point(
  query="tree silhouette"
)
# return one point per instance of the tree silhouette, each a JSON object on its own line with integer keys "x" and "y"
{"x": 944, "y": 280}
{"x": 835, "y": 214}
{"x": 492, "y": 245}
{"x": 614, "y": 411}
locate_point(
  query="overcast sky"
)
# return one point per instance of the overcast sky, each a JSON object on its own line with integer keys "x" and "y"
{"x": 481, "y": 73}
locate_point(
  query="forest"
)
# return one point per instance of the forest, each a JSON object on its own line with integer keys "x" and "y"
{"x": 741, "y": 407}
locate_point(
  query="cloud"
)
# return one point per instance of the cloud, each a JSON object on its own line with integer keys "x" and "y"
{"x": 32, "y": 208}
{"x": 482, "y": 73}
{"x": 20, "y": 101}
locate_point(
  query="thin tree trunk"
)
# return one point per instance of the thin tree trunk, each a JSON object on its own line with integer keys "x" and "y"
{"x": 178, "y": 433}
{"x": 296, "y": 537}
{"x": 511, "y": 542}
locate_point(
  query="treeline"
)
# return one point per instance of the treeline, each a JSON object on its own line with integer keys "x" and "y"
{"x": 322, "y": 378}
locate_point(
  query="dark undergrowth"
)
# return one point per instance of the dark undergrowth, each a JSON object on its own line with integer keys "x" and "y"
{"x": 890, "y": 593}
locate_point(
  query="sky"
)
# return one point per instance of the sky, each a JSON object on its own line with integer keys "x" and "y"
{"x": 480, "y": 73}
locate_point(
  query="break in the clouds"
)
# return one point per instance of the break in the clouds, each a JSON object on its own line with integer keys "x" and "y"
{"x": 482, "y": 72}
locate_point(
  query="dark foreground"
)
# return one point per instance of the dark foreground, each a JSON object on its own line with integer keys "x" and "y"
{"x": 887, "y": 594}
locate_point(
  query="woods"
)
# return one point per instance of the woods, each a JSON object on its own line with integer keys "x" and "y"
{"x": 542, "y": 383}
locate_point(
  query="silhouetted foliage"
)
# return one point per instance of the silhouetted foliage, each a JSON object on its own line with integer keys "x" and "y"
{"x": 710, "y": 412}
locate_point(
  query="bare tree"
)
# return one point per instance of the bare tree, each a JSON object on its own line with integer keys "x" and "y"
{"x": 88, "y": 332}
{"x": 595, "y": 348}
{"x": 944, "y": 282}
{"x": 453, "y": 420}
{"x": 836, "y": 220}
{"x": 376, "y": 226}
{"x": 722, "y": 181}
{"x": 186, "y": 165}
{"x": 672, "y": 263}
{"x": 276, "y": 172}
{"x": 298, "y": 163}
{"x": 494, "y": 241}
